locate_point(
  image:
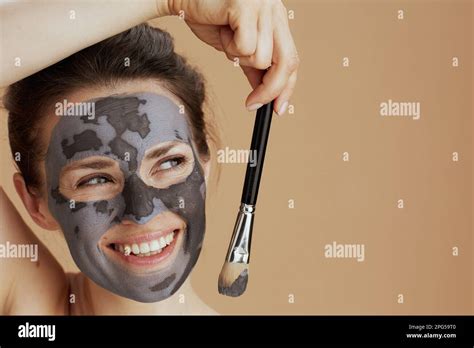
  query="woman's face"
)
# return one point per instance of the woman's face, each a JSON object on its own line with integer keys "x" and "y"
{"x": 128, "y": 191}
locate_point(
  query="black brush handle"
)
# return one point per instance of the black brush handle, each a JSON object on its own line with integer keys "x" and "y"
{"x": 261, "y": 130}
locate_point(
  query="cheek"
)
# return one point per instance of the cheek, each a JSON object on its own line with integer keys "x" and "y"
{"x": 86, "y": 222}
{"x": 188, "y": 197}
{"x": 193, "y": 210}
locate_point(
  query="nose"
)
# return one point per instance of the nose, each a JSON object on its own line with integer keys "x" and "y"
{"x": 141, "y": 201}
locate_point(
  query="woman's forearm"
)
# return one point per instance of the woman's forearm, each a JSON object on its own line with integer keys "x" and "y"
{"x": 36, "y": 34}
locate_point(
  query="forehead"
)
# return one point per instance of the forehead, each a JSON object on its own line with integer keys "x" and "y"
{"x": 118, "y": 124}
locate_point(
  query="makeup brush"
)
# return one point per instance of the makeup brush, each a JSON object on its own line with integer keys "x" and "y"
{"x": 234, "y": 274}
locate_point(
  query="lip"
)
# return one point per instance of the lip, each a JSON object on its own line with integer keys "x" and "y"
{"x": 131, "y": 233}
{"x": 148, "y": 264}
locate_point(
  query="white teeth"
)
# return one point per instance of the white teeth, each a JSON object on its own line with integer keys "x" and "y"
{"x": 135, "y": 249}
{"x": 144, "y": 249}
{"x": 162, "y": 242}
{"x": 154, "y": 245}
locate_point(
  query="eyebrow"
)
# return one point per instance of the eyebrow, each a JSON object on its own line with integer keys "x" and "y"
{"x": 97, "y": 164}
{"x": 159, "y": 151}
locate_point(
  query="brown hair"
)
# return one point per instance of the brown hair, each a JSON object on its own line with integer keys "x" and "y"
{"x": 152, "y": 56}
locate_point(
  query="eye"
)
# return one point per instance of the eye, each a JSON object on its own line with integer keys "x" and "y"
{"x": 95, "y": 180}
{"x": 168, "y": 164}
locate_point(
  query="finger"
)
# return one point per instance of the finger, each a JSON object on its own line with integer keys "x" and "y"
{"x": 285, "y": 62}
{"x": 281, "y": 103}
{"x": 226, "y": 36}
{"x": 262, "y": 59}
{"x": 272, "y": 84}
{"x": 243, "y": 41}
{"x": 208, "y": 34}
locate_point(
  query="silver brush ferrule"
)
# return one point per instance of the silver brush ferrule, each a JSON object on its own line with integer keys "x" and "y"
{"x": 239, "y": 248}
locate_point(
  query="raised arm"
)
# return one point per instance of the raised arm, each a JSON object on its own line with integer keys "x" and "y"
{"x": 256, "y": 33}
{"x": 36, "y": 34}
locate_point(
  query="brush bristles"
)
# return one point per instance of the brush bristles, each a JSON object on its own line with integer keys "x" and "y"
{"x": 233, "y": 279}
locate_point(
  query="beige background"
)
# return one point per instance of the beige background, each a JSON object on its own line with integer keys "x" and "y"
{"x": 336, "y": 109}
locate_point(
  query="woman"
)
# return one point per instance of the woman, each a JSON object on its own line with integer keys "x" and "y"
{"x": 115, "y": 155}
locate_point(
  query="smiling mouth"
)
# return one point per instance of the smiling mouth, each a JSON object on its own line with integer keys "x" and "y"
{"x": 147, "y": 251}
{"x": 145, "y": 248}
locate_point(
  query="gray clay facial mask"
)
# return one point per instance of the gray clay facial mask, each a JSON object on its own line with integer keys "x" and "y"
{"x": 123, "y": 129}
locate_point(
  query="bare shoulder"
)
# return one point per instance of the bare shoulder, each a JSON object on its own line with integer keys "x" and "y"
{"x": 32, "y": 281}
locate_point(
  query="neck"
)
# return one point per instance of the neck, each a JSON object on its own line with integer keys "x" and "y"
{"x": 103, "y": 302}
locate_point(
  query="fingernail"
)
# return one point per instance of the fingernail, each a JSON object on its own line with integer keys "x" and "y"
{"x": 282, "y": 109}
{"x": 254, "y": 107}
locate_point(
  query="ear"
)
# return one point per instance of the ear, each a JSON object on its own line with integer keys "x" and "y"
{"x": 36, "y": 205}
